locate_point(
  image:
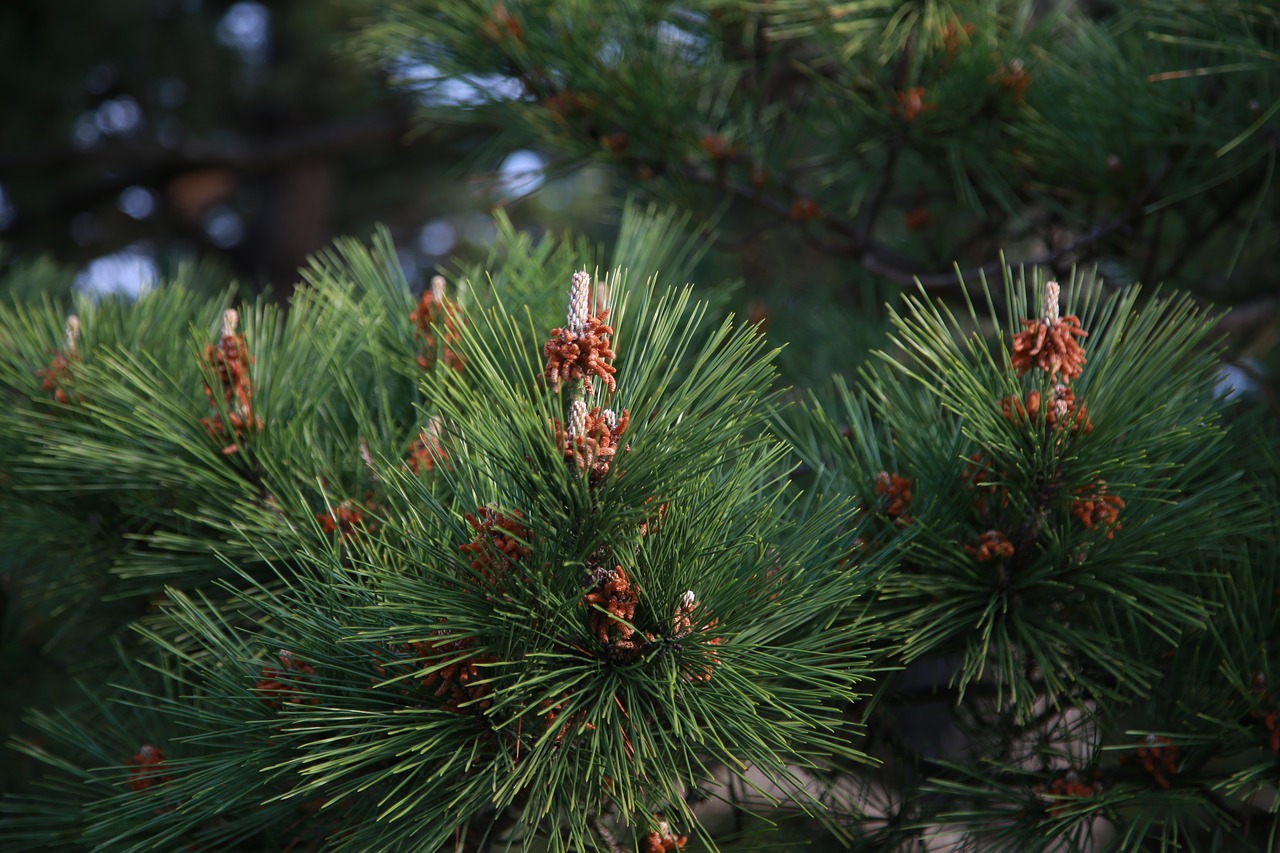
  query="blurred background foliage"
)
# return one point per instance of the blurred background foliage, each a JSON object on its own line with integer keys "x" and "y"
{"x": 837, "y": 150}
{"x": 846, "y": 150}
{"x": 143, "y": 134}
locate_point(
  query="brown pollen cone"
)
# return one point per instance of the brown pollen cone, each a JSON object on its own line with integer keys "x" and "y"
{"x": 573, "y": 356}
{"x": 596, "y": 446}
{"x": 612, "y": 604}
{"x": 58, "y": 376}
{"x": 436, "y": 320}
{"x": 230, "y": 360}
{"x": 147, "y": 768}
{"x": 991, "y": 545}
{"x": 498, "y": 543}
{"x": 425, "y": 452}
{"x": 1095, "y": 508}
{"x": 895, "y": 495}
{"x": 279, "y": 684}
{"x": 348, "y": 518}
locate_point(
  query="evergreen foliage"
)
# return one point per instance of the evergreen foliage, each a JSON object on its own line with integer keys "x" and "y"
{"x": 1084, "y": 611}
{"x": 402, "y": 595}
{"x": 902, "y": 137}
{"x": 463, "y": 570}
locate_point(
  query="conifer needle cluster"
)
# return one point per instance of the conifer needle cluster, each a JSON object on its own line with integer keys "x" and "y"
{"x": 467, "y": 570}
{"x": 539, "y": 590}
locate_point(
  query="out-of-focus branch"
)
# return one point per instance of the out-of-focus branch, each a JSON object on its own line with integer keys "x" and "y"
{"x": 120, "y": 163}
{"x": 380, "y": 125}
{"x": 881, "y": 260}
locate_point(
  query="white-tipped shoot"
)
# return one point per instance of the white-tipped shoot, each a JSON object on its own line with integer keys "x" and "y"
{"x": 1051, "y": 309}
{"x": 579, "y": 302}
{"x": 578, "y": 419}
{"x": 72, "y": 333}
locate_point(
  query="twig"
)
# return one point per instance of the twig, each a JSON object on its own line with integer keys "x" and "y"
{"x": 606, "y": 836}
{"x": 877, "y": 201}
{"x": 877, "y": 258}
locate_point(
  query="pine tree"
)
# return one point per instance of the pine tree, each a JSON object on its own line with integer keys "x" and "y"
{"x": 468, "y": 570}
{"x": 425, "y": 574}
{"x": 1083, "y": 610}
{"x": 543, "y": 558}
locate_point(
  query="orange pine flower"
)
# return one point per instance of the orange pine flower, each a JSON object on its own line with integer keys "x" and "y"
{"x": 1013, "y": 77}
{"x": 1096, "y": 508}
{"x": 611, "y": 607}
{"x": 58, "y": 376}
{"x": 616, "y": 143}
{"x": 1069, "y": 787}
{"x": 580, "y": 350}
{"x": 460, "y": 683}
{"x": 280, "y": 684}
{"x": 426, "y": 451}
{"x": 951, "y": 36}
{"x": 682, "y": 621}
{"x": 1061, "y": 414}
{"x": 500, "y": 25}
{"x": 1050, "y": 342}
{"x": 230, "y": 360}
{"x": 498, "y": 543}
{"x": 979, "y": 470}
{"x": 653, "y": 523}
{"x": 457, "y": 683}
{"x": 919, "y": 218}
{"x": 991, "y": 545}
{"x": 591, "y": 440}
{"x": 682, "y": 625}
{"x": 663, "y": 839}
{"x": 805, "y": 209}
{"x": 437, "y": 321}
{"x": 551, "y": 712}
{"x": 347, "y": 519}
{"x": 894, "y": 491}
{"x": 1267, "y": 713}
{"x": 717, "y": 147}
{"x": 566, "y": 104}
{"x": 911, "y": 103}
{"x": 1159, "y": 758}
{"x": 147, "y": 768}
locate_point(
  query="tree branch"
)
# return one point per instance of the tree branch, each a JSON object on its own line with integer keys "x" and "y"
{"x": 881, "y": 260}
{"x": 242, "y": 152}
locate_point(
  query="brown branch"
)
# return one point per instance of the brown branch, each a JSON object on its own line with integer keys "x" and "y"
{"x": 881, "y": 260}
{"x": 117, "y": 164}
{"x": 872, "y": 210}
{"x": 606, "y": 836}
{"x": 240, "y": 153}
